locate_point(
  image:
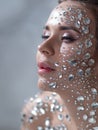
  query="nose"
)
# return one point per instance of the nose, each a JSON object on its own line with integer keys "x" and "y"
{"x": 47, "y": 48}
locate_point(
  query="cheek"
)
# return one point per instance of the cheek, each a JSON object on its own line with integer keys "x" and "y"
{"x": 69, "y": 52}
{"x": 37, "y": 56}
{"x": 77, "y": 58}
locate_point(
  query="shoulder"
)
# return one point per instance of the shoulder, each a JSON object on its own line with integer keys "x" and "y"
{"x": 43, "y": 111}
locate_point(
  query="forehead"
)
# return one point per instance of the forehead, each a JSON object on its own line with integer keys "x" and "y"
{"x": 73, "y": 13}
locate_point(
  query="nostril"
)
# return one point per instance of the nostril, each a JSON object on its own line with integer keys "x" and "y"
{"x": 46, "y": 52}
{"x": 46, "y": 49}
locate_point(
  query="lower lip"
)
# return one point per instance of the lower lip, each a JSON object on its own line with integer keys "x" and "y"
{"x": 44, "y": 71}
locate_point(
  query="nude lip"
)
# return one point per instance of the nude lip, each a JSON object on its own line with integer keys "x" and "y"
{"x": 44, "y": 67}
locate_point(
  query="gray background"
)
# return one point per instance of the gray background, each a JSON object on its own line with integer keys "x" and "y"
{"x": 21, "y": 24}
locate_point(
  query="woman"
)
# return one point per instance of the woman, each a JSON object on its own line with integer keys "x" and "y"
{"x": 68, "y": 71}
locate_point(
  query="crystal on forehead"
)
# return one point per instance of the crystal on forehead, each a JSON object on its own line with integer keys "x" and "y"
{"x": 31, "y": 118}
{"x": 94, "y": 91}
{"x": 85, "y": 29}
{"x": 88, "y": 43}
{"x": 91, "y": 62}
{"x": 86, "y": 21}
{"x": 77, "y": 24}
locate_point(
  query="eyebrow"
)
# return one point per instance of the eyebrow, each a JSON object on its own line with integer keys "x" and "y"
{"x": 68, "y": 28}
{"x": 64, "y": 28}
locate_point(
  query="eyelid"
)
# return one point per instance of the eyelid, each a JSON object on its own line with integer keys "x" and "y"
{"x": 68, "y": 38}
{"x": 45, "y": 34}
{"x": 45, "y": 37}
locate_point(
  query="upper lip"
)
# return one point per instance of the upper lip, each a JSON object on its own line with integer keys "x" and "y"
{"x": 46, "y": 65}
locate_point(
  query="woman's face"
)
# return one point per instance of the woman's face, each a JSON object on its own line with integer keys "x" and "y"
{"x": 66, "y": 56}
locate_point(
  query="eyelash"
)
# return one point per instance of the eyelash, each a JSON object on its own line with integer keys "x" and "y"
{"x": 68, "y": 39}
{"x": 44, "y": 37}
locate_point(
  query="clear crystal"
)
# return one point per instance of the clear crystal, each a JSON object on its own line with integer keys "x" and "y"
{"x": 42, "y": 111}
{"x": 91, "y": 62}
{"x": 80, "y": 108}
{"x": 47, "y": 122}
{"x": 79, "y": 52}
{"x": 87, "y": 56}
{"x": 94, "y": 91}
{"x": 80, "y": 16}
{"x": 88, "y": 71}
{"x": 83, "y": 64}
{"x": 85, "y": 117}
{"x": 80, "y": 72}
{"x": 77, "y": 24}
{"x": 94, "y": 105}
{"x": 80, "y": 98}
{"x": 72, "y": 62}
{"x": 40, "y": 128}
{"x": 53, "y": 85}
{"x": 88, "y": 43}
{"x": 92, "y": 113}
{"x": 95, "y": 128}
{"x": 64, "y": 67}
{"x": 56, "y": 64}
{"x": 71, "y": 77}
{"x": 72, "y": 18}
{"x": 33, "y": 112}
{"x": 92, "y": 120}
{"x": 86, "y": 21}
{"x": 60, "y": 117}
{"x": 52, "y": 108}
{"x": 60, "y": 76}
{"x": 85, "y": 29}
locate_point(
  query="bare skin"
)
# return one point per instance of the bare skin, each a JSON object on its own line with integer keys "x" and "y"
{"x": 67, "y": 65}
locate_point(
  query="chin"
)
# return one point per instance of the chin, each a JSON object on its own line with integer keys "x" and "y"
{"x": 42, "y": 85}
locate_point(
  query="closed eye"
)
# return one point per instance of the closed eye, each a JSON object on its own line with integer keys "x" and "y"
{"x": 45, "y": 37}
{"x": 68, "y": 39}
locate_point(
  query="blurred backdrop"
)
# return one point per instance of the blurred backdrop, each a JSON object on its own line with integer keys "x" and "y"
{"x": 21, "y": 24}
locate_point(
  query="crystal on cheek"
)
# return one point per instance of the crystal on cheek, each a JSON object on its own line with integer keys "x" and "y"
{"x": 72, "y": 62}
